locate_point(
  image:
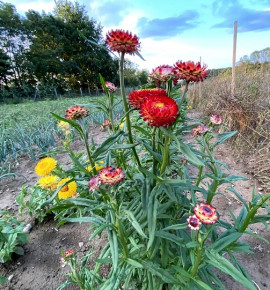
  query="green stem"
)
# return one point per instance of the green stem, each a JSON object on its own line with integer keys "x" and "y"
{"x": 199, "y": 175}
{"x": 89, "y": 154}
{"x": 122, "y": 86}
{"x": 165, "y": 155}
{"x": 184, "y": 96}
{"x": 154, "y": 149}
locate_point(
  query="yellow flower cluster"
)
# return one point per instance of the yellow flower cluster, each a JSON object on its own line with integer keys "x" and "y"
{"x": 98, "y": 166}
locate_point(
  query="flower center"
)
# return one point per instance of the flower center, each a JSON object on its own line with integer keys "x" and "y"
{"x": 65, "y": 188}
{"x": 160, "y": 105}
{"x": 207, "y": 210}
{"x": 193, "y": 222}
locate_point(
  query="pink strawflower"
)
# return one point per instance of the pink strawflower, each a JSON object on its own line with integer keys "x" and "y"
{"x": 199, "y": 130}
{"x": 75, "y": 113}
{"x": 216, "y": 119}
{"x": 162, "y": 73}
{"x": 110, "y": 87}
{"x": 94, "y": 184}
{"x": 110, "y": 175}
{"x": 206, "y": 213}
{"x": 194, "y": 223}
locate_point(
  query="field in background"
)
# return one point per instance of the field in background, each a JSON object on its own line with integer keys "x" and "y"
{"x": 248, "y": 111}
{"x": 29, "y": 129}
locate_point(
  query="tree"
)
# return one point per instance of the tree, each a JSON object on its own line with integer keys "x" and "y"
{"x": 5, "y": 67}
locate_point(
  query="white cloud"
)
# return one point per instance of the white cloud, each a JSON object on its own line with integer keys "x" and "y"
{"x": 36, "y": 5}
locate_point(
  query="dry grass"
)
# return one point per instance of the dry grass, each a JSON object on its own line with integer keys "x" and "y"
{"x": 247, "y": 111}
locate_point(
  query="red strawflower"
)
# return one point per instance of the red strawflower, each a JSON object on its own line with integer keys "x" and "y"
{"x": 194, "y": 223}
{"x": 206, "y": 213}
{"x": 110, "y": 87}
{"x": 159, "y": 111}
{"x": 162, "y": 73}
{"x": 75, "y": 113}
{"x": 69, "y": 253}
{"x": 110, "y": 175}
{"x": 190, "y": 71}
{"x": 122, "y": 41}
{"x": 94, "y": 184}
{"x": 107, "y": 123}
{"x": 199, "y": 130}
{"x": 216, "y": 119}
{"x": 136, "y": 98}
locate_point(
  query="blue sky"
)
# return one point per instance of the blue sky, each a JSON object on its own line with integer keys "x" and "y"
{"x": 173, "y": 30}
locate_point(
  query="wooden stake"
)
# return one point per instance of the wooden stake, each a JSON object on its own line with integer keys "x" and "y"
{"x": 200, "y": 83}
{"x": 234, "y": 58}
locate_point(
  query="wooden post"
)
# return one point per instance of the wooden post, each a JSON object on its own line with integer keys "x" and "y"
{"x": 81, "y": 92}
{"x": 55, "y": 92}
{"x": 234, "y": 58}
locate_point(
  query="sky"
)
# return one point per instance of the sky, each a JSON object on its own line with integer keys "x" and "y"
{"x": 174, "y": 30}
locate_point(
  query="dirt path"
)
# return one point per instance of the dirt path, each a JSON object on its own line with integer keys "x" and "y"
{"x": 40, "y": 267}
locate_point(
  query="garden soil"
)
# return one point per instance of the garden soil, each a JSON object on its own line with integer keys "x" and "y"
{"x": 40, "y": 268}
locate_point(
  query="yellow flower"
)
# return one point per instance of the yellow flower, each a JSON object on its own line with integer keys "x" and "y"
{"x": 45, "y": 166}
{"x": 48, "y": 182}
{"x": 121, "y": 126}
{"x": 98, "y": 166}
{"x": 189, "y": 107}
{"x": 68, "y": 190}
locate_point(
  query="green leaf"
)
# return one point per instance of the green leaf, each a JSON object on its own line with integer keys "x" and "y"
{"x": 176, "y": 227}
{"x": 64, "y": 285}
{"x": 107, "y": 144}
{"x": 150, "y": 174}
{"x": 223, "y": 137}
{"x": 170, "y": 237}
{"x": 152, "y": 215}
{"x": 225, "y": 266}
{"x": 239, "y": 196}
{"x": 88, "y": 219}
{"x": 135, "y": 223}
{"x": 222, "y": 243}
{"x": 134, "y": 263}
{"x": 123, "y": 146}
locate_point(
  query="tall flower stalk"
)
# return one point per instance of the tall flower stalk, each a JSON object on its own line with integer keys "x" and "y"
{"x": 122, "y": 87}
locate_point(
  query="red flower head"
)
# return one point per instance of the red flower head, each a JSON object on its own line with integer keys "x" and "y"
{"x": 136, "y": 98}
{"x": 162, "y": 74}
{"x": 190, "y": 71}
{"x": 110, "y": 87}
{"x": 69, "y": 253}
{"x": 194, "y": 223}
{"x": 94, "y": 184}
{"x": 159, "y": 111}
{"x": 206, "y": 213}
{"x": 75, "y": 113}
{"x": 122, "y": 41}
{"x": 110, "y": 175}
{"x": 216, "y": 119}
{"x": 199, "y": 130}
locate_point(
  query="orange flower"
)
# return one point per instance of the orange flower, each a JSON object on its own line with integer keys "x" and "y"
{"x": 206, "y": 213}
{"x": 69, "y": 253}
{"x": 122, "y": 41}
{"x": 136, "y": 98}
{"x": 190, "y": 71}
{"x": 159, "y": 111}
{"x": 110, "y": 175}
{"x": 75, "y": 113}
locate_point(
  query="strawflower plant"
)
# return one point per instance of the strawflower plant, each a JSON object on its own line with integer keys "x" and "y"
{"x": 163, "y": 223}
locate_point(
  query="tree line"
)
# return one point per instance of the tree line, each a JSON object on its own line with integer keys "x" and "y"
{"x": 42, "y": 51}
